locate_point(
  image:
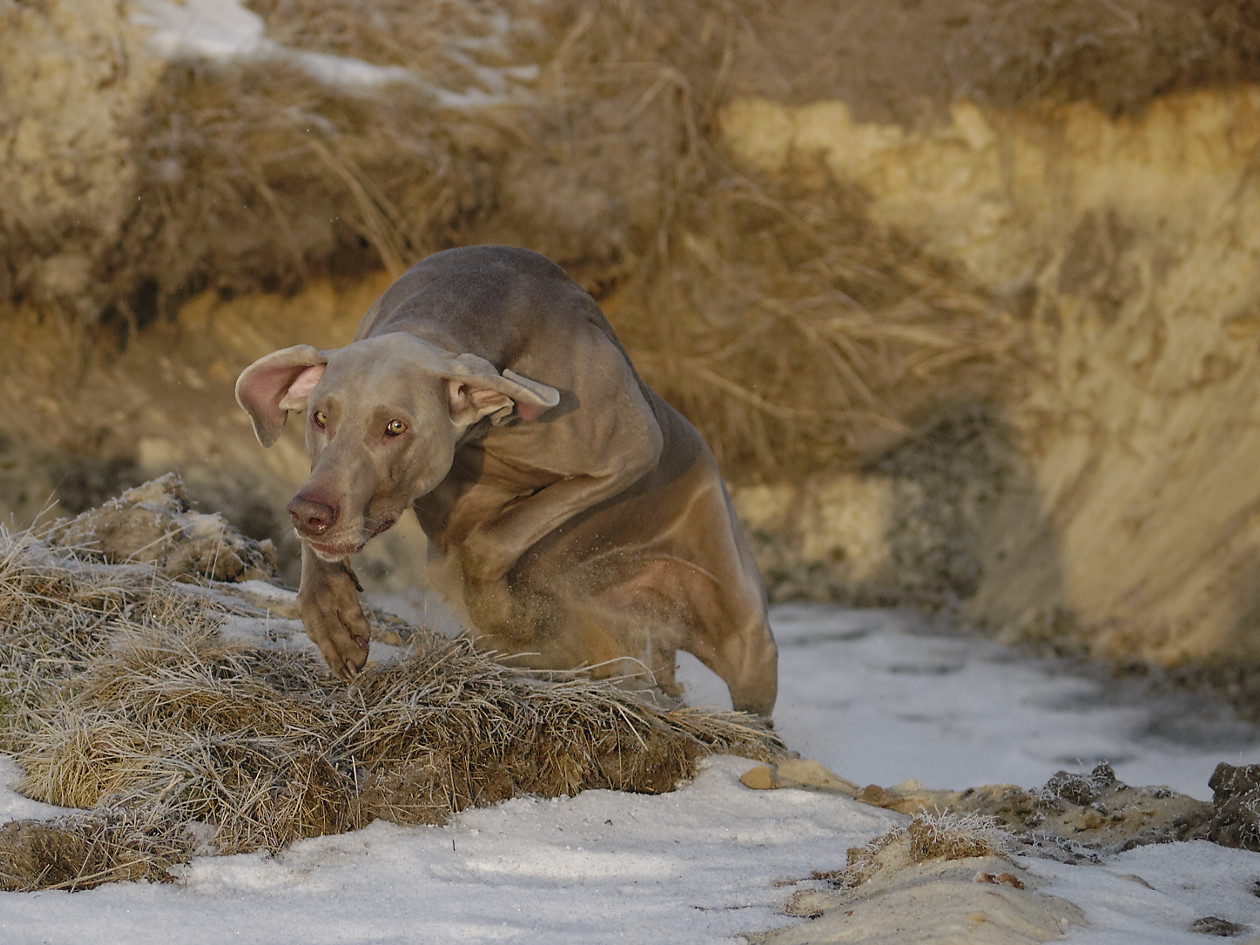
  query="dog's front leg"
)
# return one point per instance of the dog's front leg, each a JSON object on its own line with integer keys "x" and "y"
{"x": 492, "y": 608}
{"x": 328, "y": 603}
{"x": 491, "y": 548}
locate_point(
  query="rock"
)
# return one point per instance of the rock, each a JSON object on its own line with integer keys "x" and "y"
{"x": 1235, "y": 820}
{"x": 1215, "y": 925}
{"x": 800, "y": 773}
{"x": 760, "y": 778}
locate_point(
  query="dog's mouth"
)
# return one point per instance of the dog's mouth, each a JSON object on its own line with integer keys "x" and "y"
{"x": 339, "y": 551}
{"x": 333, "y": 552}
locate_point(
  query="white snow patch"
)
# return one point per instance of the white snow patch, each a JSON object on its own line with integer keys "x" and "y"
{"x": 224, "y": 29}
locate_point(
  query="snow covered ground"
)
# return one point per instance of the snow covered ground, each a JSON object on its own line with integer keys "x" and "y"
{"x": 878, "y": 696}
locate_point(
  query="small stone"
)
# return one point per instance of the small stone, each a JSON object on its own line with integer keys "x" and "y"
{"x": 1215, "y": 925}
{"x": 760, "y": 778}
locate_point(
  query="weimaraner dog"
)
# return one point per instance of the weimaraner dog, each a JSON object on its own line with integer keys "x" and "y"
{"x": 576, "y": 516}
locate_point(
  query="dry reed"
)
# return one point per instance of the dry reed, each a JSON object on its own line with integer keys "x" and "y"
{"x": 790, "y": 327}
{"x": 794, "y": 331}
{"x": 122, "y": 696}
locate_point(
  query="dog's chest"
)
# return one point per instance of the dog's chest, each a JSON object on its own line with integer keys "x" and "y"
{"x": 480, "y": 487}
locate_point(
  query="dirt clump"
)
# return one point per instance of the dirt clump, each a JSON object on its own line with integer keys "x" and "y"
{"x": 154, "y": 524}
{"x": 1095, "y": 812}
{"x": 1235, "y": 820}
{"x": 924, "y": 838}
{"x": 945, "y": 878}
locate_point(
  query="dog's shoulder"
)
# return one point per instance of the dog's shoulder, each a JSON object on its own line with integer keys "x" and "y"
{"x": 495, "y": 301}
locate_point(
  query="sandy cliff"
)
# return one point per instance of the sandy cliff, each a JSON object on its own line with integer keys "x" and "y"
{"x": 1121, "y": 247}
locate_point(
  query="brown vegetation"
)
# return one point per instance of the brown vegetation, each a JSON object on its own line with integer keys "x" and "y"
{"x": 124, "y": 694}
{"x": 794, "y": 329}
{"x": 587, "y": 133}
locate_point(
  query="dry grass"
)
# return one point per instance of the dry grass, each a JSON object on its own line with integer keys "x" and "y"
{"x": 120, "y": 695}
{"x": 80, "y": 851}
{"x": 792, "y": 330}
{"x": 790, "y": 327}
{"x": 289, "y": 178}
{"x": 815, "y": 342}
{"x": 940, "y": 836}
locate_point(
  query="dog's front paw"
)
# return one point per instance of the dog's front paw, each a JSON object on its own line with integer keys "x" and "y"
{"x": 335, "y": 622}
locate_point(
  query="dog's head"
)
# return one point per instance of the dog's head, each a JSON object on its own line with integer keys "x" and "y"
{"x": 384, "y": 418}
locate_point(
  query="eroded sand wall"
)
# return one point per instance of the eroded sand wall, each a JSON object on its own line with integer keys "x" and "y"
{"x": 73, "y": 77}
{"x": 1125, "y": 252}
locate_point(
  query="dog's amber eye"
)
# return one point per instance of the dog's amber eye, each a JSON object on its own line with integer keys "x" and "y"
{"x": 320, "y": 418}
{"x": 395, "y": 428}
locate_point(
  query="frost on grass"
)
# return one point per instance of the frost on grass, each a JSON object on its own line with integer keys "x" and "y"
{"x": 122, "y": 698}
{"x": 927, "y": 837}
{"x": 155, "y": 524}
{"x": 101, "y": 846}
{"x": 942, "y": 877}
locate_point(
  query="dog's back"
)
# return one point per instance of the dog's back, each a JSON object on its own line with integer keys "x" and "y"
{"x": 500, "y": 301}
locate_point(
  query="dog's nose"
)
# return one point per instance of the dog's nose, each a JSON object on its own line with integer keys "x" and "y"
{"x": 311, "y": 517}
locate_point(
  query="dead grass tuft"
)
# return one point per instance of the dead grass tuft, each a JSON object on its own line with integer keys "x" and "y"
{"x": 122, "y": 696}
{"x": 81, "y": 851}
{"x": 940, "y": 836}
{"x": 822, "y": 338}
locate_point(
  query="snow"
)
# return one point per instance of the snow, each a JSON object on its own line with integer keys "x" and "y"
{"x": 224, "y": 30}
{"x": 878, "y": 696}
{"x": 990, "y": 714}
{"x": 1153, "y": 894}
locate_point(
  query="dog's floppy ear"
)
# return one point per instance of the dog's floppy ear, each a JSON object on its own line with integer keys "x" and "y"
{"x": 476, "y": 389}
{"x": 277, "y": 383}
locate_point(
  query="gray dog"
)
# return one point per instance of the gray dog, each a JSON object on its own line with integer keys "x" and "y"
{"x": 572, "y": 512}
